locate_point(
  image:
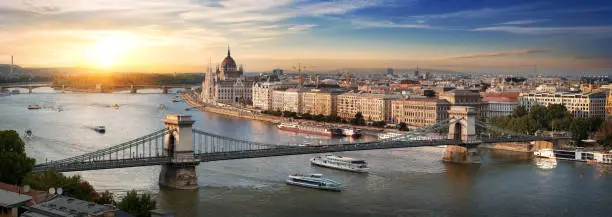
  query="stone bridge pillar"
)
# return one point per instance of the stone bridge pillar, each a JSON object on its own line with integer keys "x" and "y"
{"x": 132, "y": 89}
{"x": 30, "y": 89}
{"x": 99, "y": 88}
{"x": 462, "y": 127}
{"x": 180, "y": 172}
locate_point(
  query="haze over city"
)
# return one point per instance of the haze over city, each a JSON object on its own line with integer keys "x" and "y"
{"x": 179, "y": 36}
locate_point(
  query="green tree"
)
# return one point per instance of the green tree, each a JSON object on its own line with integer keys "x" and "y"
{"x": 579, "y": 129}
{"x": 135, "y": 205}
{"x": 14, "y": 163}
{"x": 556, "y": 111}
{"x": 539, "y": 114}
{"x": 403, "y": 126}
{"x": 73, "y": 186}
{"x": 606, "y": 142}
{"x": 519, "y": 111}
{"x": 105, "y": 197}
{"x": 358, "y": 120}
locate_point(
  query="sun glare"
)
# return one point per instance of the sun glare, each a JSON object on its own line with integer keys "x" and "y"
{"x": 107, "y": 51}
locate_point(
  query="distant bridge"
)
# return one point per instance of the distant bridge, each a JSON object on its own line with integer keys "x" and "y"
{"x": 96, "y": 88}
{"x": 179, "y": 148}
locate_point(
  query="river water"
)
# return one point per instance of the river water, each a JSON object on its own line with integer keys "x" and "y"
{"x": 403, "y": 182}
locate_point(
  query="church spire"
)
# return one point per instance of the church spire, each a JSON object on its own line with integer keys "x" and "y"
{"x": 228, "y": 50}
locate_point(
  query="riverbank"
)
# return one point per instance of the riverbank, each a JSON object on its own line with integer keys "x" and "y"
{"x": 255, "y": 115}
{"x": 510, "y": 146}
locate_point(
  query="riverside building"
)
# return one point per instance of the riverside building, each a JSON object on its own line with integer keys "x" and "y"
{"x": 585, "y": 105}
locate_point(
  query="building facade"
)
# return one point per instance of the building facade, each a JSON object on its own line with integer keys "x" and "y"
{"x": 500, "y": 106}
{"x": 320, "y": 102}
{"x": 585, "y": 105}
{"x": 287, "y": 100}
{"x": 419, "y": 112}
{"x": 373, "y": 107}
{"x": 262, "y": 93}
{"x": 227, "y": 85}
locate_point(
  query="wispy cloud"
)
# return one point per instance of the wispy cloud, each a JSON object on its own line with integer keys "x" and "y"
{"x": 498, "y": 54}
{"x": 386, "y": 24}
{"x": 548, "y": 30}
{"x": 523, "y": 22}
{"x": 483, "y": 12}
{"x": 304, "y": 27}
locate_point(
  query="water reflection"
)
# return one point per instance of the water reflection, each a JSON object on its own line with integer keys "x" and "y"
{"x": 545, "y": 163}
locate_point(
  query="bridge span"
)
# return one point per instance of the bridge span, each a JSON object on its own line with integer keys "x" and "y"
{"x": 178, "y": 148}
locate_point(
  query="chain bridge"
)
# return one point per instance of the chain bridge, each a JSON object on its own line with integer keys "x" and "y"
{"x": 178, "y": 148}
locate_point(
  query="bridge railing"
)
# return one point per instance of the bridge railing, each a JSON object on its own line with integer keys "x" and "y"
{"x": 150, "y": 145}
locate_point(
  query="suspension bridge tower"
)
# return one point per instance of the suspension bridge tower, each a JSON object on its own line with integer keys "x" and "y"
{"x": 179, "y": 172}
{"x": 462, "y": 128}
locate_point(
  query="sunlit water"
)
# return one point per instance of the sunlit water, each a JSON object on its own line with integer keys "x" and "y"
{"x": 403, "y": 182}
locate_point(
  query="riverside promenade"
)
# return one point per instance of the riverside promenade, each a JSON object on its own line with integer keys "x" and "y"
{"x": 256, "y": 115}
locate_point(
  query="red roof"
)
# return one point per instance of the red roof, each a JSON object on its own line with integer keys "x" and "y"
{"x": 37, "y": 196}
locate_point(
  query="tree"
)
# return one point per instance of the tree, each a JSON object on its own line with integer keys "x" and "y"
{"x": 135, "y": 205}
{"x": 519, "y": 111}
{"x": 579, "y": 129}
{"x": 556, "y": 111}
{"x": 105, "y": 197}
{"x": 403, "y": 126}
{"x": 358, "y": 120}
{"x": 539, "y": 114}
{"x": 14, "y": 163}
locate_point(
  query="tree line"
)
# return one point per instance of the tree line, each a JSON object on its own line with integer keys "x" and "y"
{"x": 16, "y": 169}
{"x": 555, "y": 117}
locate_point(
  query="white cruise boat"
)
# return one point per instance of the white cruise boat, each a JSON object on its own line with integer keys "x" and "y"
{"x": 352, "y": 132}
{"x": 341, "y": 163}
{"x": 100, "y": 129}
{"x": 314, "y": 181}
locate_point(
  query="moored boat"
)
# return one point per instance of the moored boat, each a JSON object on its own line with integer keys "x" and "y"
{"x": 315, "y": 181}
{"x": 352, "y": 132}
{"x": 100, "y": 129}
{"x": 575, "y": 155}
{"x": 311, "y": 129}
{"x": 34, "y": 107}
{"x": 340, "y": 163}
{"x": 115, "y": 106}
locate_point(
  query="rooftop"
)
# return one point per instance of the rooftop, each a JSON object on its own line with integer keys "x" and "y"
{"x": 11, "y": 199}
{"x": 67, "y": 206}
{"x": 37, "y": 196}
{"x": 499, "y": 99}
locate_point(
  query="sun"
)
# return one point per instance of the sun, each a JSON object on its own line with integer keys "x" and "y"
{"x": 107, "y": 51}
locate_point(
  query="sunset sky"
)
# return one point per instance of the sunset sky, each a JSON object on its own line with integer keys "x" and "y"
{"x": 181, "y": 35}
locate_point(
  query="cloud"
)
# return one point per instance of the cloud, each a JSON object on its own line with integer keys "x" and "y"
{"x": 297, "y": 28}
{"x": 483, "y": 12}
{"x": 498, "y": 54}
{"x": 523, "y": 22}
{"x": 547, "y": 30}
{"x": 386, "y": 24}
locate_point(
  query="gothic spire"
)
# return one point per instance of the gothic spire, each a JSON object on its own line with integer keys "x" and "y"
{"x": 228, "y": 50}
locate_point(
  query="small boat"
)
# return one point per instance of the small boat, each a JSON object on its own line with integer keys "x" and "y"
{"x": 352, "y": 132}
{"x": 174, "y": 99}
{"x": 313, "y": 181}
{"x": 28, "y": 132}
{"x": 187, "y": 109}
{"x": 100, "y": 129}
{"x": 14, "y": 91}
{"x": 162, "y": 106}
{"x": 340, "y": 163}
{"x": 33, "y": 107}
{"x": 60, "y": 109}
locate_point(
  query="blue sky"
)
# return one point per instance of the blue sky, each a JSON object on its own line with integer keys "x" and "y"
{"x": 474, "y": 35}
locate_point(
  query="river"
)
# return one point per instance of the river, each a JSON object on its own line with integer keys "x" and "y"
{"x": 403, "y": 182}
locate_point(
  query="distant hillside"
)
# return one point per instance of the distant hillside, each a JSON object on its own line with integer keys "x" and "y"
{"x": 6, "y": 68}
{"x": 384, "y": 70}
